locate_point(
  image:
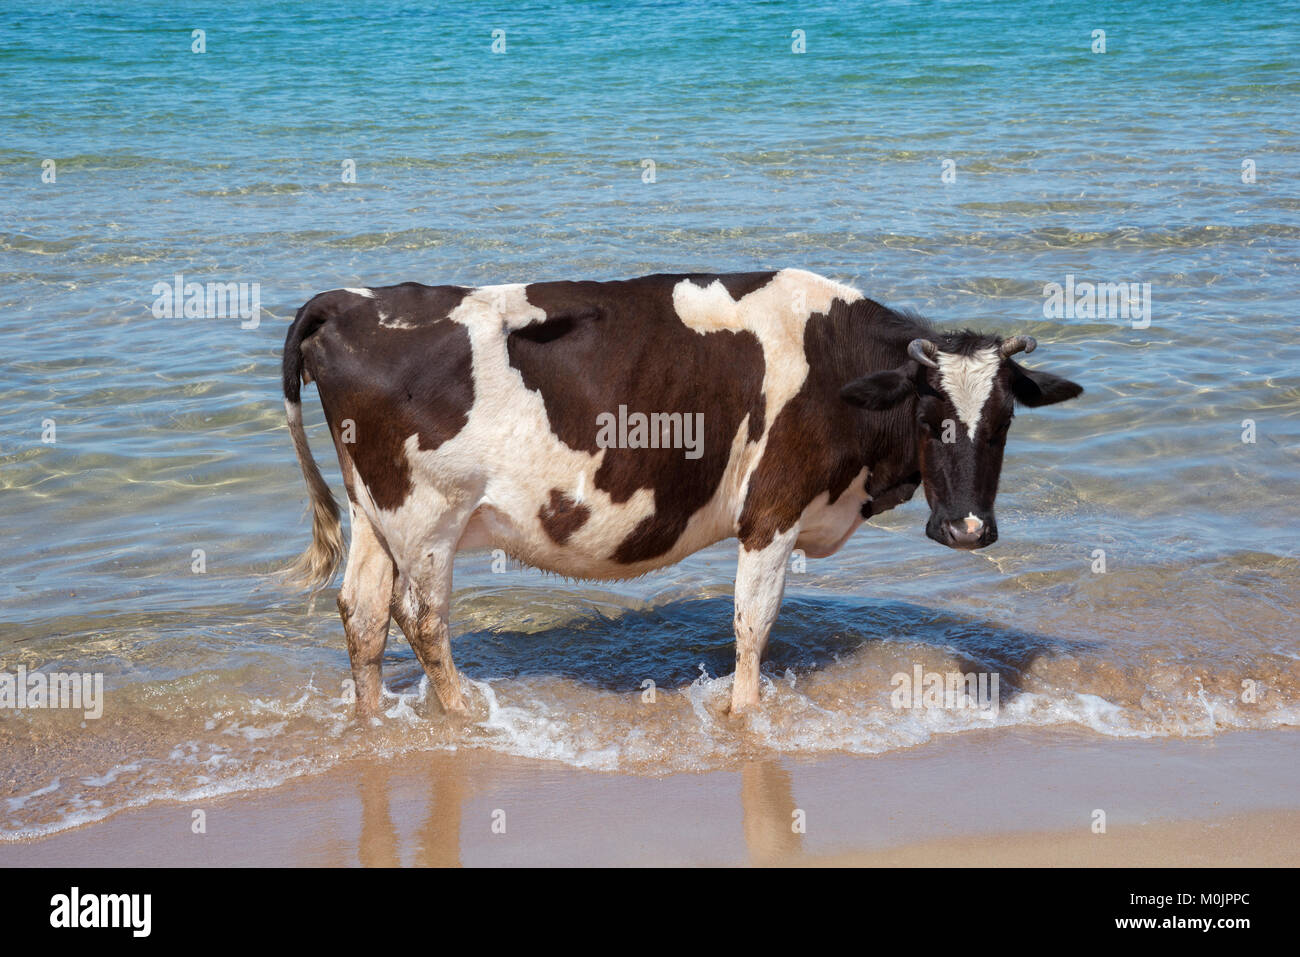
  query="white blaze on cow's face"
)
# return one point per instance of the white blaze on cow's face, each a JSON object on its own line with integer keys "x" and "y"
{"x": 968, "y": 382}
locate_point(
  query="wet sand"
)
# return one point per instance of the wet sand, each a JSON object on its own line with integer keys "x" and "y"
{"x": 977, "y": 799}
{"x": 1254, "y": 839}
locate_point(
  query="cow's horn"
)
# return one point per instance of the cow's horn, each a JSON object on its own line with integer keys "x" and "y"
{"x": 1018, "y": 344}
{"x": 923, "y": 351}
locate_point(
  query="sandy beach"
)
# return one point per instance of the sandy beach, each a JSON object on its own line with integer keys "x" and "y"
{"x": 1024, "y": 799}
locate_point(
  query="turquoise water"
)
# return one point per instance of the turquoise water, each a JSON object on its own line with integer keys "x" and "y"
{"x": 479, "y": 167}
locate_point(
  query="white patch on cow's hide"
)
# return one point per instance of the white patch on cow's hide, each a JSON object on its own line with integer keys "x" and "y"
{"x": 706, "y": 308}
{"x": 968, "y": 380}
{"x": 367, "y": 293}
{"x": 507, "y": 303}
{"x": 501, "y": 467}
{"x": 399, "y": 323}
{"x": 777, "y": 313}
{"x": 825, "y": 526}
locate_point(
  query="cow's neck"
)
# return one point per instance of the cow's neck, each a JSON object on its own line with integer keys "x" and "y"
{"x": 887, "y": 440}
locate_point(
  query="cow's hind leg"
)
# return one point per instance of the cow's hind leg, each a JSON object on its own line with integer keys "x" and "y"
{"x": 760, "y": 584}
{"x": 421, "y": 604}
{"x": 363, "y": 605}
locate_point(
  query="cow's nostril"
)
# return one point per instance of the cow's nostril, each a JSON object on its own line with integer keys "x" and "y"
{"x": 966, "y": 531}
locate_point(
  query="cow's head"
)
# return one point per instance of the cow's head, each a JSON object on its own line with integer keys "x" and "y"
{"x": 963, "y": 388}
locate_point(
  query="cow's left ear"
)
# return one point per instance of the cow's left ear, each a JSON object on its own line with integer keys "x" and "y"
{"x": 879, "y": 390}
{"x": 1034, "y": 387}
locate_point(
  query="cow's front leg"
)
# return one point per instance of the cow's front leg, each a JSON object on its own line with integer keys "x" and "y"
{"x": 760, "y": 583}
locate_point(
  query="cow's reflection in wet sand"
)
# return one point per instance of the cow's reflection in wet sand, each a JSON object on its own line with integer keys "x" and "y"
{"x": 773, "y": 823}
{"x": 437, "y": 842}
{"x": 378, "y": 844}
{"x": 771, "y": 820}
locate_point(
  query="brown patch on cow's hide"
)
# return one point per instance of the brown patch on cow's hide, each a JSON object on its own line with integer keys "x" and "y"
{"x": 391, "y": 381}
{"x": 606, "y": 344}
{"x": 738, "y": 284}
{"x": 819, "y": 442}
{"x": 562, "y": 516}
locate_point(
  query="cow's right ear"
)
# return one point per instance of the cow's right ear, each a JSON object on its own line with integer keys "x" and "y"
{"x": 879, "y": 390}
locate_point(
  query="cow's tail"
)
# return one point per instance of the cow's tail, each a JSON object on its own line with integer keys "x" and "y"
{"x": 315, "y": 567}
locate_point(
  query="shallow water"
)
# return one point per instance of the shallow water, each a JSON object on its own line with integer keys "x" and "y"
{"x": 479, "y": 168}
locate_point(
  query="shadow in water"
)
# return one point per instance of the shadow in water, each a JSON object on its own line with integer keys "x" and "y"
{"x": 670, "y": 643}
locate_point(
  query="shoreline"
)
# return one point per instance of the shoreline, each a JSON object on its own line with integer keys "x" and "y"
{"x": 980, "y": 798}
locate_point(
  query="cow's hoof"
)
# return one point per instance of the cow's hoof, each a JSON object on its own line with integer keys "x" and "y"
{"x": 740, "y": 709}
{"x": 455, "y": 708}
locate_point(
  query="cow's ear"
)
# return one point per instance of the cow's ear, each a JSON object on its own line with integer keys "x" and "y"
{"x": 879, "y": 390}
{"x": 1034, "y": 387}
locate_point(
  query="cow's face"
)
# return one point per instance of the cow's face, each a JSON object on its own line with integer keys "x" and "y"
{"x": 963, "y": 392}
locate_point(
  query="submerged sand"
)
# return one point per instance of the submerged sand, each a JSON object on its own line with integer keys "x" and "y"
{"x": 1025, "y": 798}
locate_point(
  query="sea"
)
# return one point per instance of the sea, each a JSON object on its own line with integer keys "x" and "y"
{"x": 1120, "y": 180}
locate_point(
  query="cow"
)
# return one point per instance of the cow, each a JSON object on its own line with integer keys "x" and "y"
{"x": 601, "y": 430}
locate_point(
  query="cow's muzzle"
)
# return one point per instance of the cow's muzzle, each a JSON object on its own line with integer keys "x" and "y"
{"x": 966, "y": 533}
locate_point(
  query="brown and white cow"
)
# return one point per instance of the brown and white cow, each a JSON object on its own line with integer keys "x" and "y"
{"x": 604, "y": 429}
